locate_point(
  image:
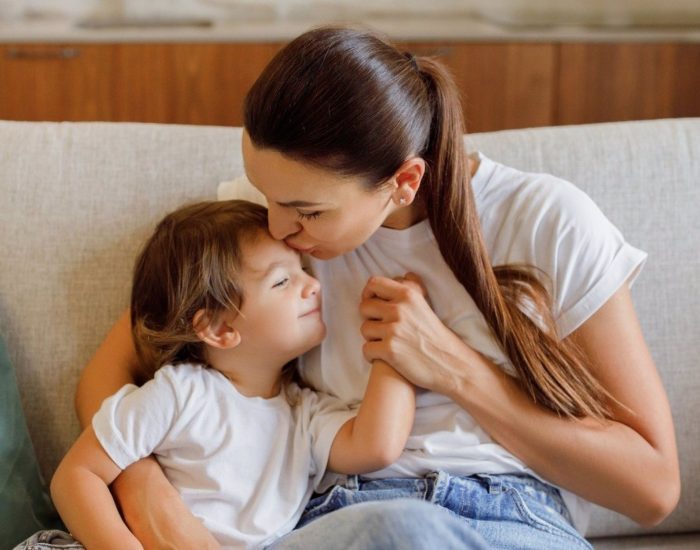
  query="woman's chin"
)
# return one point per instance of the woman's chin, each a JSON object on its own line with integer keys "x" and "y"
{"x": 321, "y": 254}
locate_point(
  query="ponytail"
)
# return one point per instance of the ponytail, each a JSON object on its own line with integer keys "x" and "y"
{"x": 551, "y": 371}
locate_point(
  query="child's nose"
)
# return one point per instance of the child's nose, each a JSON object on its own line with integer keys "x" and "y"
{"x": 312, "y": 287}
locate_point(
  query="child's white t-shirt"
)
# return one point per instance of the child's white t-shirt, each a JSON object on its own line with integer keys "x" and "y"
{"x": 532, "y": 219}
{"x": 245, "y": 466}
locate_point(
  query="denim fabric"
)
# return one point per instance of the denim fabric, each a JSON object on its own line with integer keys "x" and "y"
{"x": 50, "y": 540}
{"x": 475, "y": 512}
{"x": 402, "y": 523}
{"x": 506, "y": 511}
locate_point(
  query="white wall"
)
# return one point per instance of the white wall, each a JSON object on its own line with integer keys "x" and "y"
{"x": 611, "y": 12}
{"x": 232, "y": 8}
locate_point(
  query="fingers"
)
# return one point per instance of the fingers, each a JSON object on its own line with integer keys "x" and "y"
{"x": 373, "y": 330}
{"x": 415, "y": 279}
{"x": 392, "y": 289}
{"x": 377, "y": 309}
{"x": 381, "y": 287}
{"x": 373, "y": 351}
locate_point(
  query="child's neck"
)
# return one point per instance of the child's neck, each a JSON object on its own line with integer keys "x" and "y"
{"x": 252, "y": 377}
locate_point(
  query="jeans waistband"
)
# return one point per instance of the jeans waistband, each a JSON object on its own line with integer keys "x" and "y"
{"x": 434, "y": 485}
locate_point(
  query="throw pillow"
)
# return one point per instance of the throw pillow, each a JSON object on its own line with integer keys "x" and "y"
{"x": 25, "y": 506}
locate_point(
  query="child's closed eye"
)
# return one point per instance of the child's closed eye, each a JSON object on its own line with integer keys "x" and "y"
{"x": 281, "y": 282}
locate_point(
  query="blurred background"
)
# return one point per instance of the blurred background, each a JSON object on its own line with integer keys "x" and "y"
{"x": 518, "y": 63}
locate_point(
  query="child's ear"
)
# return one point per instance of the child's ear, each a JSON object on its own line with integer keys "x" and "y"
{"x": 218, "y": 333}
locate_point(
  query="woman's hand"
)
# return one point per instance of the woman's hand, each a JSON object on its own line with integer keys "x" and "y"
{"x": 401, "y": 328}
{"x": 154, "y": 511}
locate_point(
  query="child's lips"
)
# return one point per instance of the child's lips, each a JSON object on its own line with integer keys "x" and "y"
{"x": 314, "y": 311}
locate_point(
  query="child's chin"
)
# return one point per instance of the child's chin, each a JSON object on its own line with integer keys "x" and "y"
{"x": 322, "y": 331}
{"x": 318, "y": 338}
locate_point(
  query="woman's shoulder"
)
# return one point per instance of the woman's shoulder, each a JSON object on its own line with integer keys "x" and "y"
{"x": 519, "y": 206}
{"x": 506, "y": 188}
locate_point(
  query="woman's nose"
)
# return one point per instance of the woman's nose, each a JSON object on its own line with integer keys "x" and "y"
{"x": 281, "y": 226}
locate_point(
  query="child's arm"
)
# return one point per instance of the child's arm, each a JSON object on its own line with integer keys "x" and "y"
{"x": 79, "y": 489}
{"x": 376, "y": 437}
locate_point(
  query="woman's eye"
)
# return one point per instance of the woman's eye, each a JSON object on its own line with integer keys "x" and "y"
{"x": 281, "y": 282}
{"x": 309, "y": 215}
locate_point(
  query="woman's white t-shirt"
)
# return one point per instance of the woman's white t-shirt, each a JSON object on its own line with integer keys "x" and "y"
{"x": 533, "y": 219}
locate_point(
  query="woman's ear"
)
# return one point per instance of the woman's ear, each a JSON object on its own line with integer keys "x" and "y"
{"x": 218, "y": 332}
{"x": 408, "y": 179}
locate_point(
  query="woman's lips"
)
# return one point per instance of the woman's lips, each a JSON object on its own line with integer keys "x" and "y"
{"x": 299, "y": 248}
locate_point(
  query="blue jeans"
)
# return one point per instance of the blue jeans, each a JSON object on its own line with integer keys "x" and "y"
{"x": 440, "y": 510}
{"x": 482, "y": 511}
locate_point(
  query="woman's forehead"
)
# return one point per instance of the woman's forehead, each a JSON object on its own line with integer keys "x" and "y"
{"x": 291, "y": 182}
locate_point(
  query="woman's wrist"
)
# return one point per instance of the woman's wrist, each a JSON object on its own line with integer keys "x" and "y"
{"x": 452, "y": 376}
{"x": 154, "y": 510}
{"x": 136, "y": 490}
{"x": 465, "y": 371}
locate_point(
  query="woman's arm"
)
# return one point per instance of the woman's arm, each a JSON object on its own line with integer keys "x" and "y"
{"x": 376, "y": 437}
{"x": 79, "y": 489}
{"x": 151, "y": 506}
{"x": 629, "y": 464}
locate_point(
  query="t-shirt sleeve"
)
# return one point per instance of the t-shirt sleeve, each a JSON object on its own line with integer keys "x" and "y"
{"x": 585, "y": 257}
{"x": 239, "y": 188}
{"x": 134, "y": 421}
{"x": 324, "y": 415}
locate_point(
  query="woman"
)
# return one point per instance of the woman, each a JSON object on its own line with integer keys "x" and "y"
{"x": 539, "y": 389}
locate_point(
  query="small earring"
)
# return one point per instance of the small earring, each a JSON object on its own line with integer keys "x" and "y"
{"x": 402, "y": 201}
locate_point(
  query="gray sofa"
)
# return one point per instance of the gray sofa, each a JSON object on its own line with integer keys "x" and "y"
{"x": 77, "y": 200}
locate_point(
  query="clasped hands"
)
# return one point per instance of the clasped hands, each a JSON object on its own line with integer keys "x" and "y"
{"x": 401, "y": 328}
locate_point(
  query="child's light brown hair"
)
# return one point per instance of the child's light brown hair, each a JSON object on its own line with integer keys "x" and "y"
{"x": 191, "y": 262}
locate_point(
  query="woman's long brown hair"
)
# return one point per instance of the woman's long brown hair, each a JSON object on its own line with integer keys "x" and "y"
{"x": 349, "y": 102}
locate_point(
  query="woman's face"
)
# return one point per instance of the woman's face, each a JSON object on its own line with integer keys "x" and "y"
{"x": 313, "y": 210}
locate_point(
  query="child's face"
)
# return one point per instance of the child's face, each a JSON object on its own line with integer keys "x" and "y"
{"x": 281, "y": 310}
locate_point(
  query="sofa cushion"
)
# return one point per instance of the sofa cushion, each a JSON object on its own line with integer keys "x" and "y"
{"x": 690, "y": 541}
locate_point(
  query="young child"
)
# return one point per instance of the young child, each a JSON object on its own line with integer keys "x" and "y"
{"x": 219, "y": 311}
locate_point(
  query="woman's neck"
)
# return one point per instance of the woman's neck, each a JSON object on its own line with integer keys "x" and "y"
{"x": 416, "y": 212}
{"x": 406, "y": 216}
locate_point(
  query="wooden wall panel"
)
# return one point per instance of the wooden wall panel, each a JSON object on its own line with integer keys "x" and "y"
{"x": 186, "y": 83}
{"x": 169, "y": 83}
{"x": 503, "y": 85}
{"x": 611, "y": 82}
{"x": 54, "y": 82}
{"x": 686, "y": 96}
